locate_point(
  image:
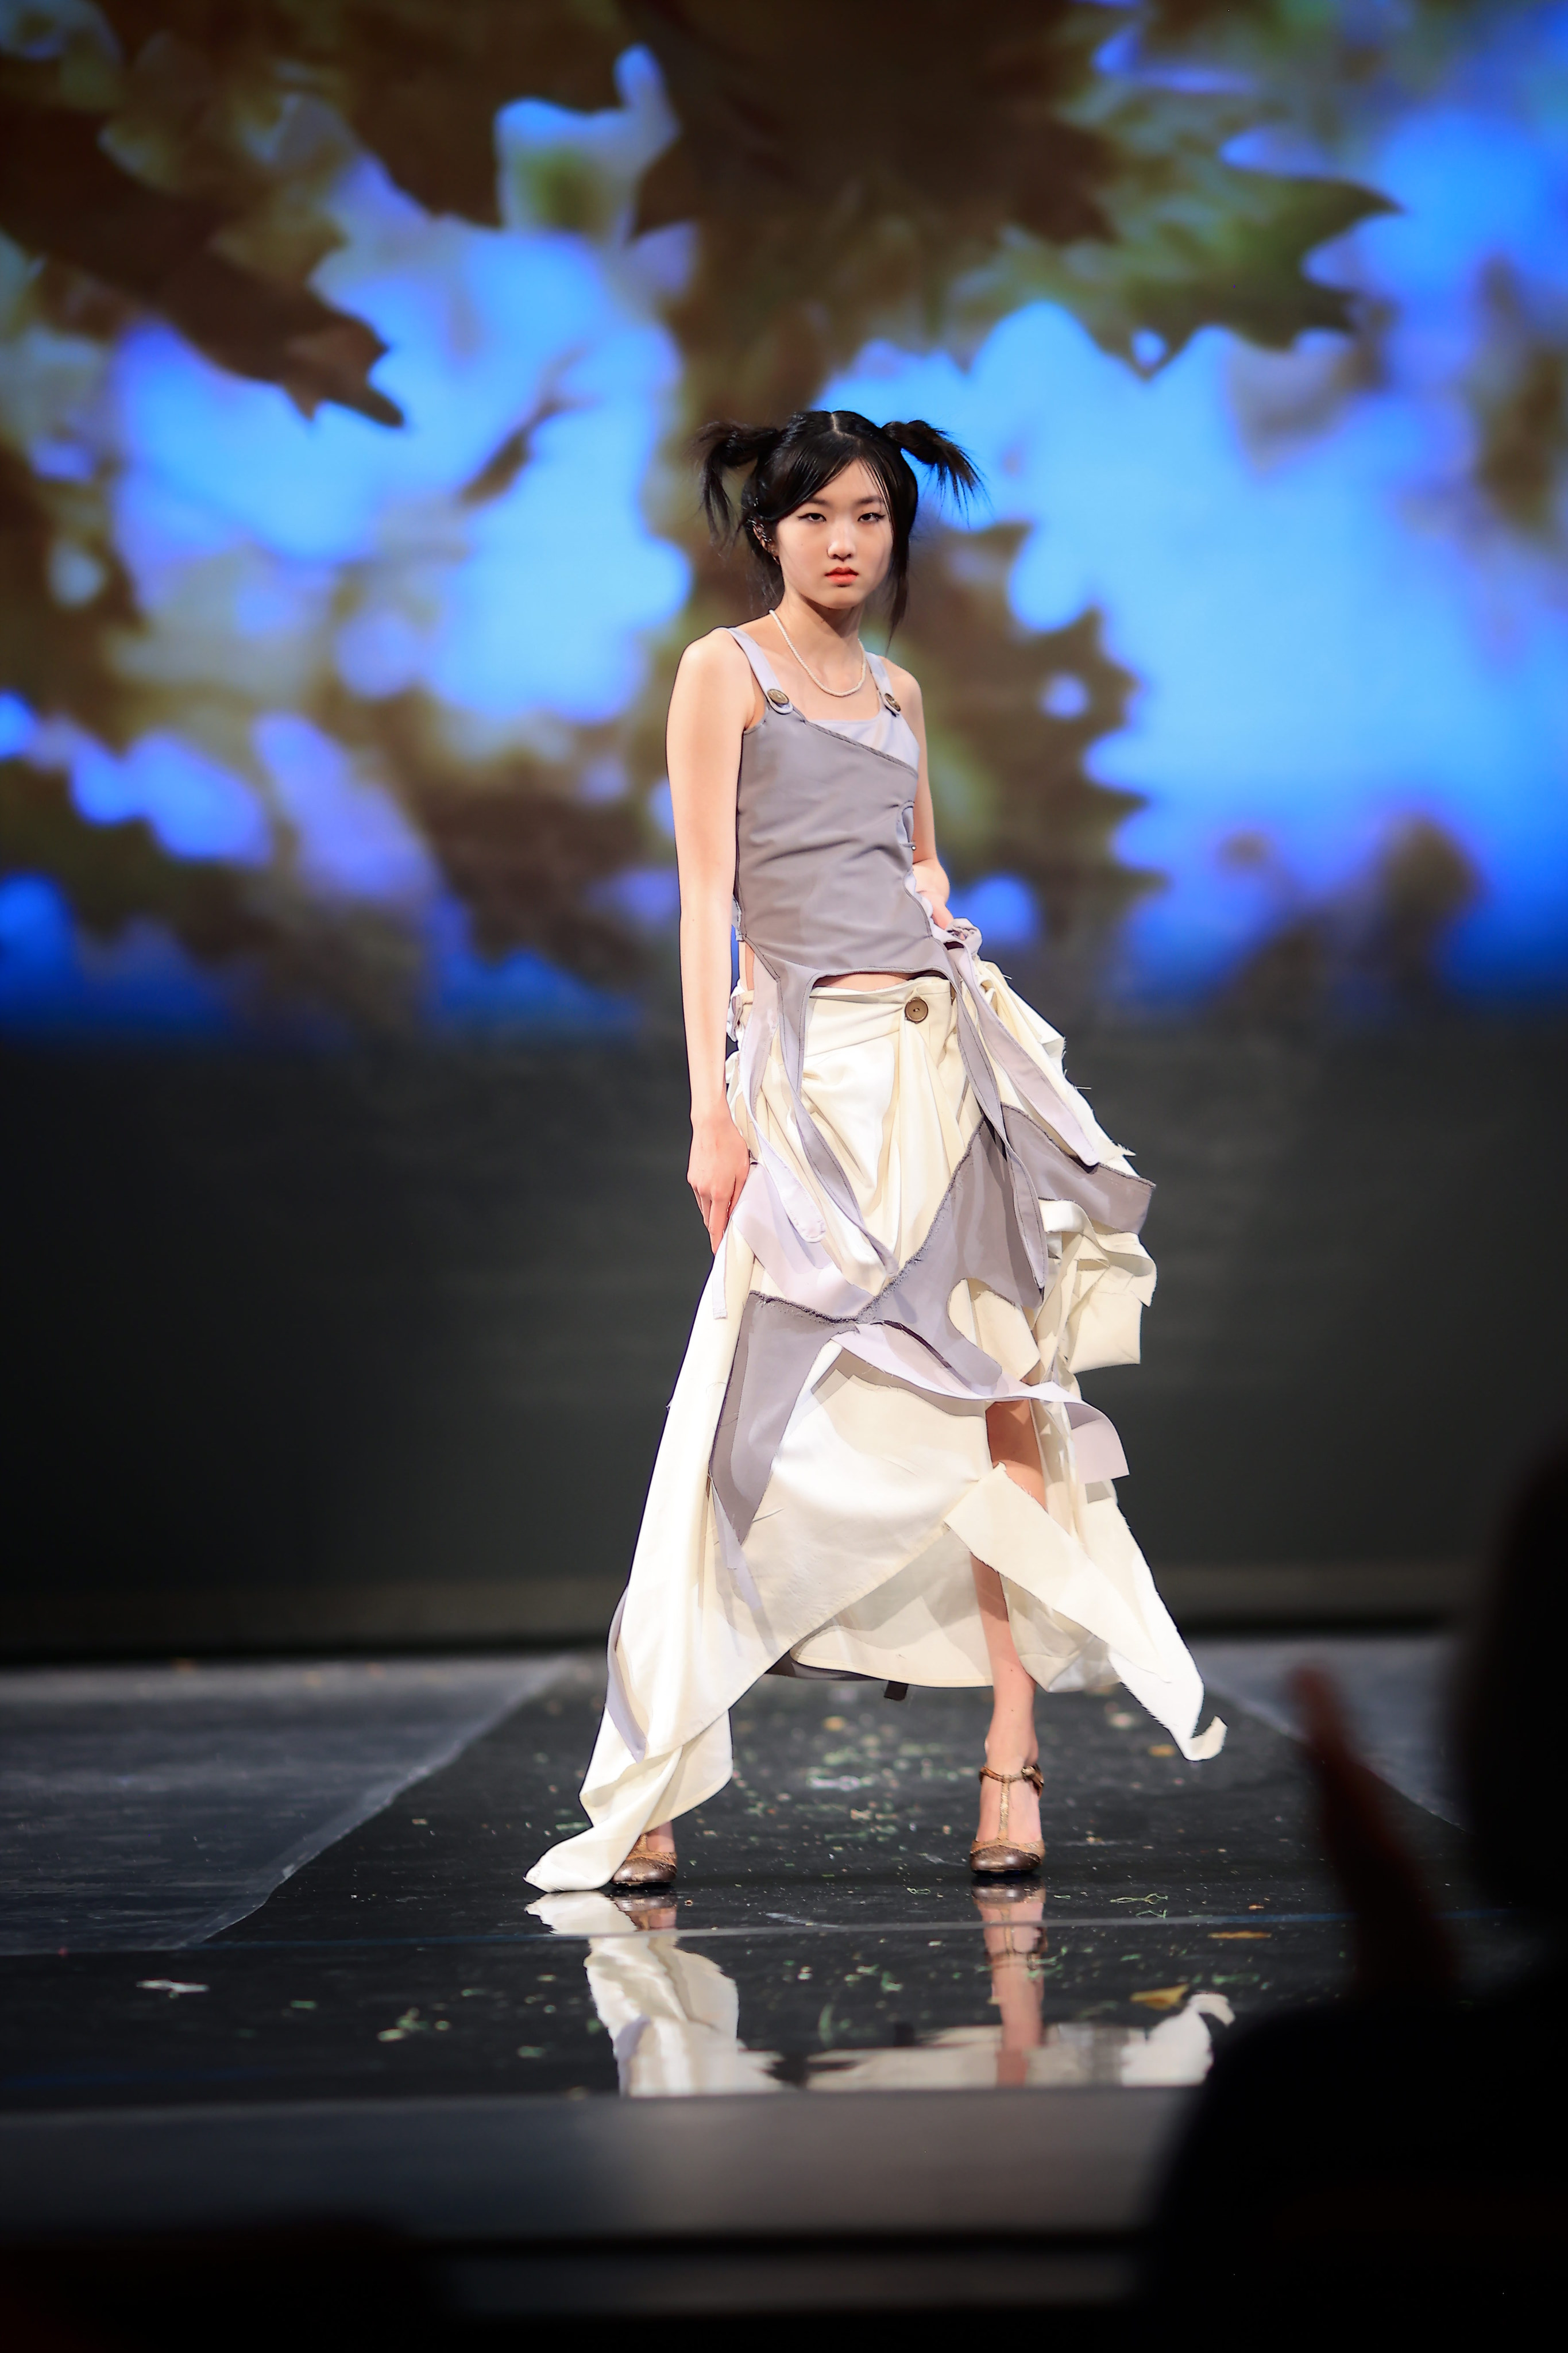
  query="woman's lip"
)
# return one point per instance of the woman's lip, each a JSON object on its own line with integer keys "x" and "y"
{"x": 844, "y": 573}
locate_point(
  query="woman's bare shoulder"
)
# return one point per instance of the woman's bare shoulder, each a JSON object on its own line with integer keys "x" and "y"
{"x": 713, "y": 684}
{"x": 906, "y": 685}
{"x": 715, "y": 656}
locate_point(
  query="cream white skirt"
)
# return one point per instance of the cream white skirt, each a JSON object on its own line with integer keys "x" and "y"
{"x": 859, "y": 1555}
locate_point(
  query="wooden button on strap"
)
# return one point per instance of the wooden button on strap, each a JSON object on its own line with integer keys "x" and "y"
{"x": 916, "y": 1009}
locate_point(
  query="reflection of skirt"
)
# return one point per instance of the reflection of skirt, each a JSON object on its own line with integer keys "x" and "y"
{"x": 880, "y": 1485}
{"x": 674, "y": 2021}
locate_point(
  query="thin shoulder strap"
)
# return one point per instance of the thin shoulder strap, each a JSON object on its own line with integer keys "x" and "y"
{"x": 762, "y": 669}
{"x": 880, "y": 672}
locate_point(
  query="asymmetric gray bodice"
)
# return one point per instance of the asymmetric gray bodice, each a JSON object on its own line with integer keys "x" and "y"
{"x": 825, "y": 884}
{"x": 825, "y": 841}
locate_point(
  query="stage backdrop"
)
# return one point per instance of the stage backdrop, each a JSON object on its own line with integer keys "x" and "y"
{"x": 349, "y": 355}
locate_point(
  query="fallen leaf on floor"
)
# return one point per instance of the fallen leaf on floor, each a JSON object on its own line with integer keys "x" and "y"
{"x": 1162, "y": 1997}
{"x": 1237, "y": 1936}
{"x": 409, "y": 2023}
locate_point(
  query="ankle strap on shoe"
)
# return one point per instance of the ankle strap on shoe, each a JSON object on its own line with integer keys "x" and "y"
{"x": 1031, "y": 1773}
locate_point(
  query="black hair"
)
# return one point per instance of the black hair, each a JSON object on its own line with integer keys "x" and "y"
{"x": 794, "y": 462}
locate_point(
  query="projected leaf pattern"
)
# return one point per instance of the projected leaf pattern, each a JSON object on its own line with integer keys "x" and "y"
{"x": 1013, "y": 716}
{"x": 177, "y": 161}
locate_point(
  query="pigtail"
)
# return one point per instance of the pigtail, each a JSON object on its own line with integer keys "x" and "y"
{"x": 944, "y": 458}
{"x": 723, "y": 447}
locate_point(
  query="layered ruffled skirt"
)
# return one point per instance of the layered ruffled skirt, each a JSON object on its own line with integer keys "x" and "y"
{"x": 824, "y": 1475}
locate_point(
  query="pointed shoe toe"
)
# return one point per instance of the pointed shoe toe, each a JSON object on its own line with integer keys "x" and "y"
{"x": 1003, "y": 1859}
{"x": 646, "y": 1866}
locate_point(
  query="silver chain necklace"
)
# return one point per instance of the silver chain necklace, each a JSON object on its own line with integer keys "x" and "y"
{"x": 839, "y": 693}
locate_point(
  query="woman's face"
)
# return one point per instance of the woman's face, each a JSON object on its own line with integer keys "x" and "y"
{"x": 835, "y": 549}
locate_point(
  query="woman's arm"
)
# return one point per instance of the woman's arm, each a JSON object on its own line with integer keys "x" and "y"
{"x": 713, "y": 701}
{"x": 929, "y": 877}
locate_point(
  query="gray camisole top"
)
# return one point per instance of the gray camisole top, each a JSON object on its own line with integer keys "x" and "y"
{"x": 825, "y": 841}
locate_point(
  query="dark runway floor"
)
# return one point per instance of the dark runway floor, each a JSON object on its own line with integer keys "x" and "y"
{"x": 826, "y": 1887}
{"x": 825, "y": 1937}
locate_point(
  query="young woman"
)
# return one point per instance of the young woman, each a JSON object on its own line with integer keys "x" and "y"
{"x": 877, "y": 1462}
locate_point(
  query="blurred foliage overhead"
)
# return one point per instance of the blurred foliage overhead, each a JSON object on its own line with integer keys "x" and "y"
{"x": 153, "y": 177}
{"x": 930, "y": 181}
{"x": 920, "y": 185}
{"x": 910, "y": 172}
{"x": 1518, "y": 395}
{"x": 1014, "y": 714}
{"x": 121, "y": 872}
{"x": 523, "y": 854}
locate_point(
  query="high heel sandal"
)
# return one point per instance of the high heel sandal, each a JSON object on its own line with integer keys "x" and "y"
{"x": 1002, "y": 1857}
{"x": 646, "y": 1866}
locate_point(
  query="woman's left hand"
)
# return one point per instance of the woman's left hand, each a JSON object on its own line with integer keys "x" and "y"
{"x": 933, "y": 886}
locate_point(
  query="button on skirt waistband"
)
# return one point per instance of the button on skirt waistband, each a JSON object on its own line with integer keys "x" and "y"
{"x": 837, "y": 1019}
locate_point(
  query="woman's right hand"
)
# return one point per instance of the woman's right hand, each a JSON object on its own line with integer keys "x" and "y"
{"x": 718, "y": 1168}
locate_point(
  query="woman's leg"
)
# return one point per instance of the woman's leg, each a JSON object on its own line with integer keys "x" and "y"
{"x": 1010, "y": 1742}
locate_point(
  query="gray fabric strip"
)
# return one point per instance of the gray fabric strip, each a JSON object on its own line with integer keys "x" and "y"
{"x": 971, "y": 1237}
{"x": 1118, "y": 1202}
{"x": 1034, "y": 1088}
{"x": 776, "y": 1349}
{"x": 795, "y": 984}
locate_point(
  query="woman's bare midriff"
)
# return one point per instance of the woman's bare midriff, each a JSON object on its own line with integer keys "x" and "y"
{"x": 828, "y": 979}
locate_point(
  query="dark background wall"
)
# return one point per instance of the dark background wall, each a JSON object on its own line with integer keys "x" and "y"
{"x": 375, "y": 1347}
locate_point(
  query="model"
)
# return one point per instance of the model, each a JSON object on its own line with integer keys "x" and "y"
{"x": 877, "y": 1462}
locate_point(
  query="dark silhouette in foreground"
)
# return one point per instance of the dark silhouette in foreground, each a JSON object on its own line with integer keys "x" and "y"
{"x": 1399, "y": 2156}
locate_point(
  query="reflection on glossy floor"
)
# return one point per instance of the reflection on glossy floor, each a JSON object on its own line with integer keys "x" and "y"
{"x": 824, "y": 1935}
{"x": 673, "y": 2015}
